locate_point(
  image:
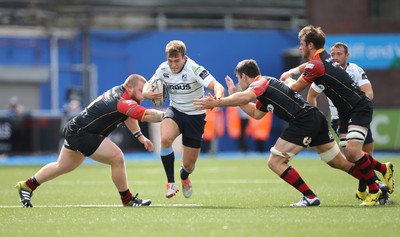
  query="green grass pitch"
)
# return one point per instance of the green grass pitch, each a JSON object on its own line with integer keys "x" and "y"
{"x": 231, "y": 197}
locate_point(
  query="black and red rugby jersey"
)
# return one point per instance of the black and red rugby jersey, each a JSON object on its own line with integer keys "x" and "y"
{"x": 107, "y": 111}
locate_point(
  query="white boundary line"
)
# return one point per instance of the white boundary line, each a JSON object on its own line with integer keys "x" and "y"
{"x": 104, "y": 206}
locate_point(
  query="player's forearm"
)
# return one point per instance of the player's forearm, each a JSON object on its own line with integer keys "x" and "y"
{"x": 236, "y": 99}
{"x": 219, "y": 91}
{"x": 249, "y": 109}
{"x": 153, "y": 116}
{"x": 297, "y": 70}
{"x": 132, "y": 124}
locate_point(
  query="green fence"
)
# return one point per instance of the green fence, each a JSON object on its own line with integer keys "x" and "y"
{"x": 385, "y": 129}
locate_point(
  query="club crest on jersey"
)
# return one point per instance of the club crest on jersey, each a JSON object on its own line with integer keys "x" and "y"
{"x": 270, "y": 108}
{"x": 184, "y": 77}
{"x": 166, "y": 75}
{"x": 307, "y": 141}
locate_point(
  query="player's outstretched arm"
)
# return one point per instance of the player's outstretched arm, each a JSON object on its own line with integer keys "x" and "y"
{"x": 293, "y": 72}
{"x": 133, "y": 126}
{"x": 153, "y": 116}
{"x": 236, "y": 99}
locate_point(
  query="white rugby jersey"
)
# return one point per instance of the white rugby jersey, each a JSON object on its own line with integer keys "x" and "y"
{"x": 185, "y": 86}
{"x": 357, "y": 74}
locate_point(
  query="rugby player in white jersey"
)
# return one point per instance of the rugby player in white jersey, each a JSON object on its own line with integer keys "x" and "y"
{"x": 340, "y": 53}
{"x": 185, "y": 80}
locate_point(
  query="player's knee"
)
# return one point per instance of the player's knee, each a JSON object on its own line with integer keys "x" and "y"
{"x": 188, "y": 167}
{"x": 285, "y": 155}
{"x": 277, "y": 159}
{"x": 118, "y": 158}
{"x": 272, "y": 162}
{"x": 355, "y": 139}
{"x": 330, "y": 154}
{"x": 343, "y": 143}
{"x": 166, "y": 142}
{"x": 356, "y": 134}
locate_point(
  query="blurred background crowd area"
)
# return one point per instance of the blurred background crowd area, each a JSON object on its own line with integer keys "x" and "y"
{"x": 58, "y": 55}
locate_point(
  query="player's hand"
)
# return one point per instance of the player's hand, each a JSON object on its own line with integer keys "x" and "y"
{"x": 285, "y": 76}
{"x": 148, "y": 145}
{"x": 230, "y": 84}
{"x": 207, "y": 102}
{"x": 151, "y": 95}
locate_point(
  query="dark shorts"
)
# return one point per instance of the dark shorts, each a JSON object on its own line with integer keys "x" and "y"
{"x": 360, "y": 116}
{"x": 309, "y": 129}
{"x": 190, "y": 126}
{"x": 335, "y": 125}
{"x": 77, "y": 139}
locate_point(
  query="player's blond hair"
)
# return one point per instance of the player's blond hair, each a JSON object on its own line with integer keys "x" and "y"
{"x": 133, "y": 80}
{"x": 174, "y": 48}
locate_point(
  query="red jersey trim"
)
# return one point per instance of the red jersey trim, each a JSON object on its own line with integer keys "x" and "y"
{"x": 314, "y": 68}
{"x": 130, "y": 108}
{"x": 259, "y": 86}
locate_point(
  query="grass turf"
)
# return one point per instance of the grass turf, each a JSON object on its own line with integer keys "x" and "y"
{"x": 231, "y": 197}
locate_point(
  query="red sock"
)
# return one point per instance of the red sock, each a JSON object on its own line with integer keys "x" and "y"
{"x": 355, "y": 172}
{"x": 376, "y": 165}
{"x": 292, "y": 177}
{"x": 126, "y": 196}
{"x": 364, "y": 165}
{"x": 32, "y": 183}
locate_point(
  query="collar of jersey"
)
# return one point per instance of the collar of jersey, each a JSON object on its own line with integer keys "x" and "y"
{"x": 319, "y": 51}
{"x": 257, "y": 77}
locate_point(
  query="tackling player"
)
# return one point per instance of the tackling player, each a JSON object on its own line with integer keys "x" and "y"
{"x": 308, "y": 127}
{"x": 354, "y": 107}
{"x": 340, "y": 53}
{"x": 86, "y": 136}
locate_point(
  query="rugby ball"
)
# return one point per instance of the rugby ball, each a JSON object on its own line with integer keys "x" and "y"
{"x": 158, "y": 86}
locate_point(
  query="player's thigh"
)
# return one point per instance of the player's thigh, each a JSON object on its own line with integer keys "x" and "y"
{"x": 68, "y": 159}
{"x": 169, "y": 131}
{"x": 108, "y": 152}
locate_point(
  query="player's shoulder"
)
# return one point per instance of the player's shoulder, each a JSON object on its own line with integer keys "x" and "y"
{"x": 193, "y": 67}
{"x": 355, "y": 68}
{"x": 163, "y": 66}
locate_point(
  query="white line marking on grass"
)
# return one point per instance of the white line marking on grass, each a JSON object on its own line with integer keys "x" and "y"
{"x": 105, "y": 206}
